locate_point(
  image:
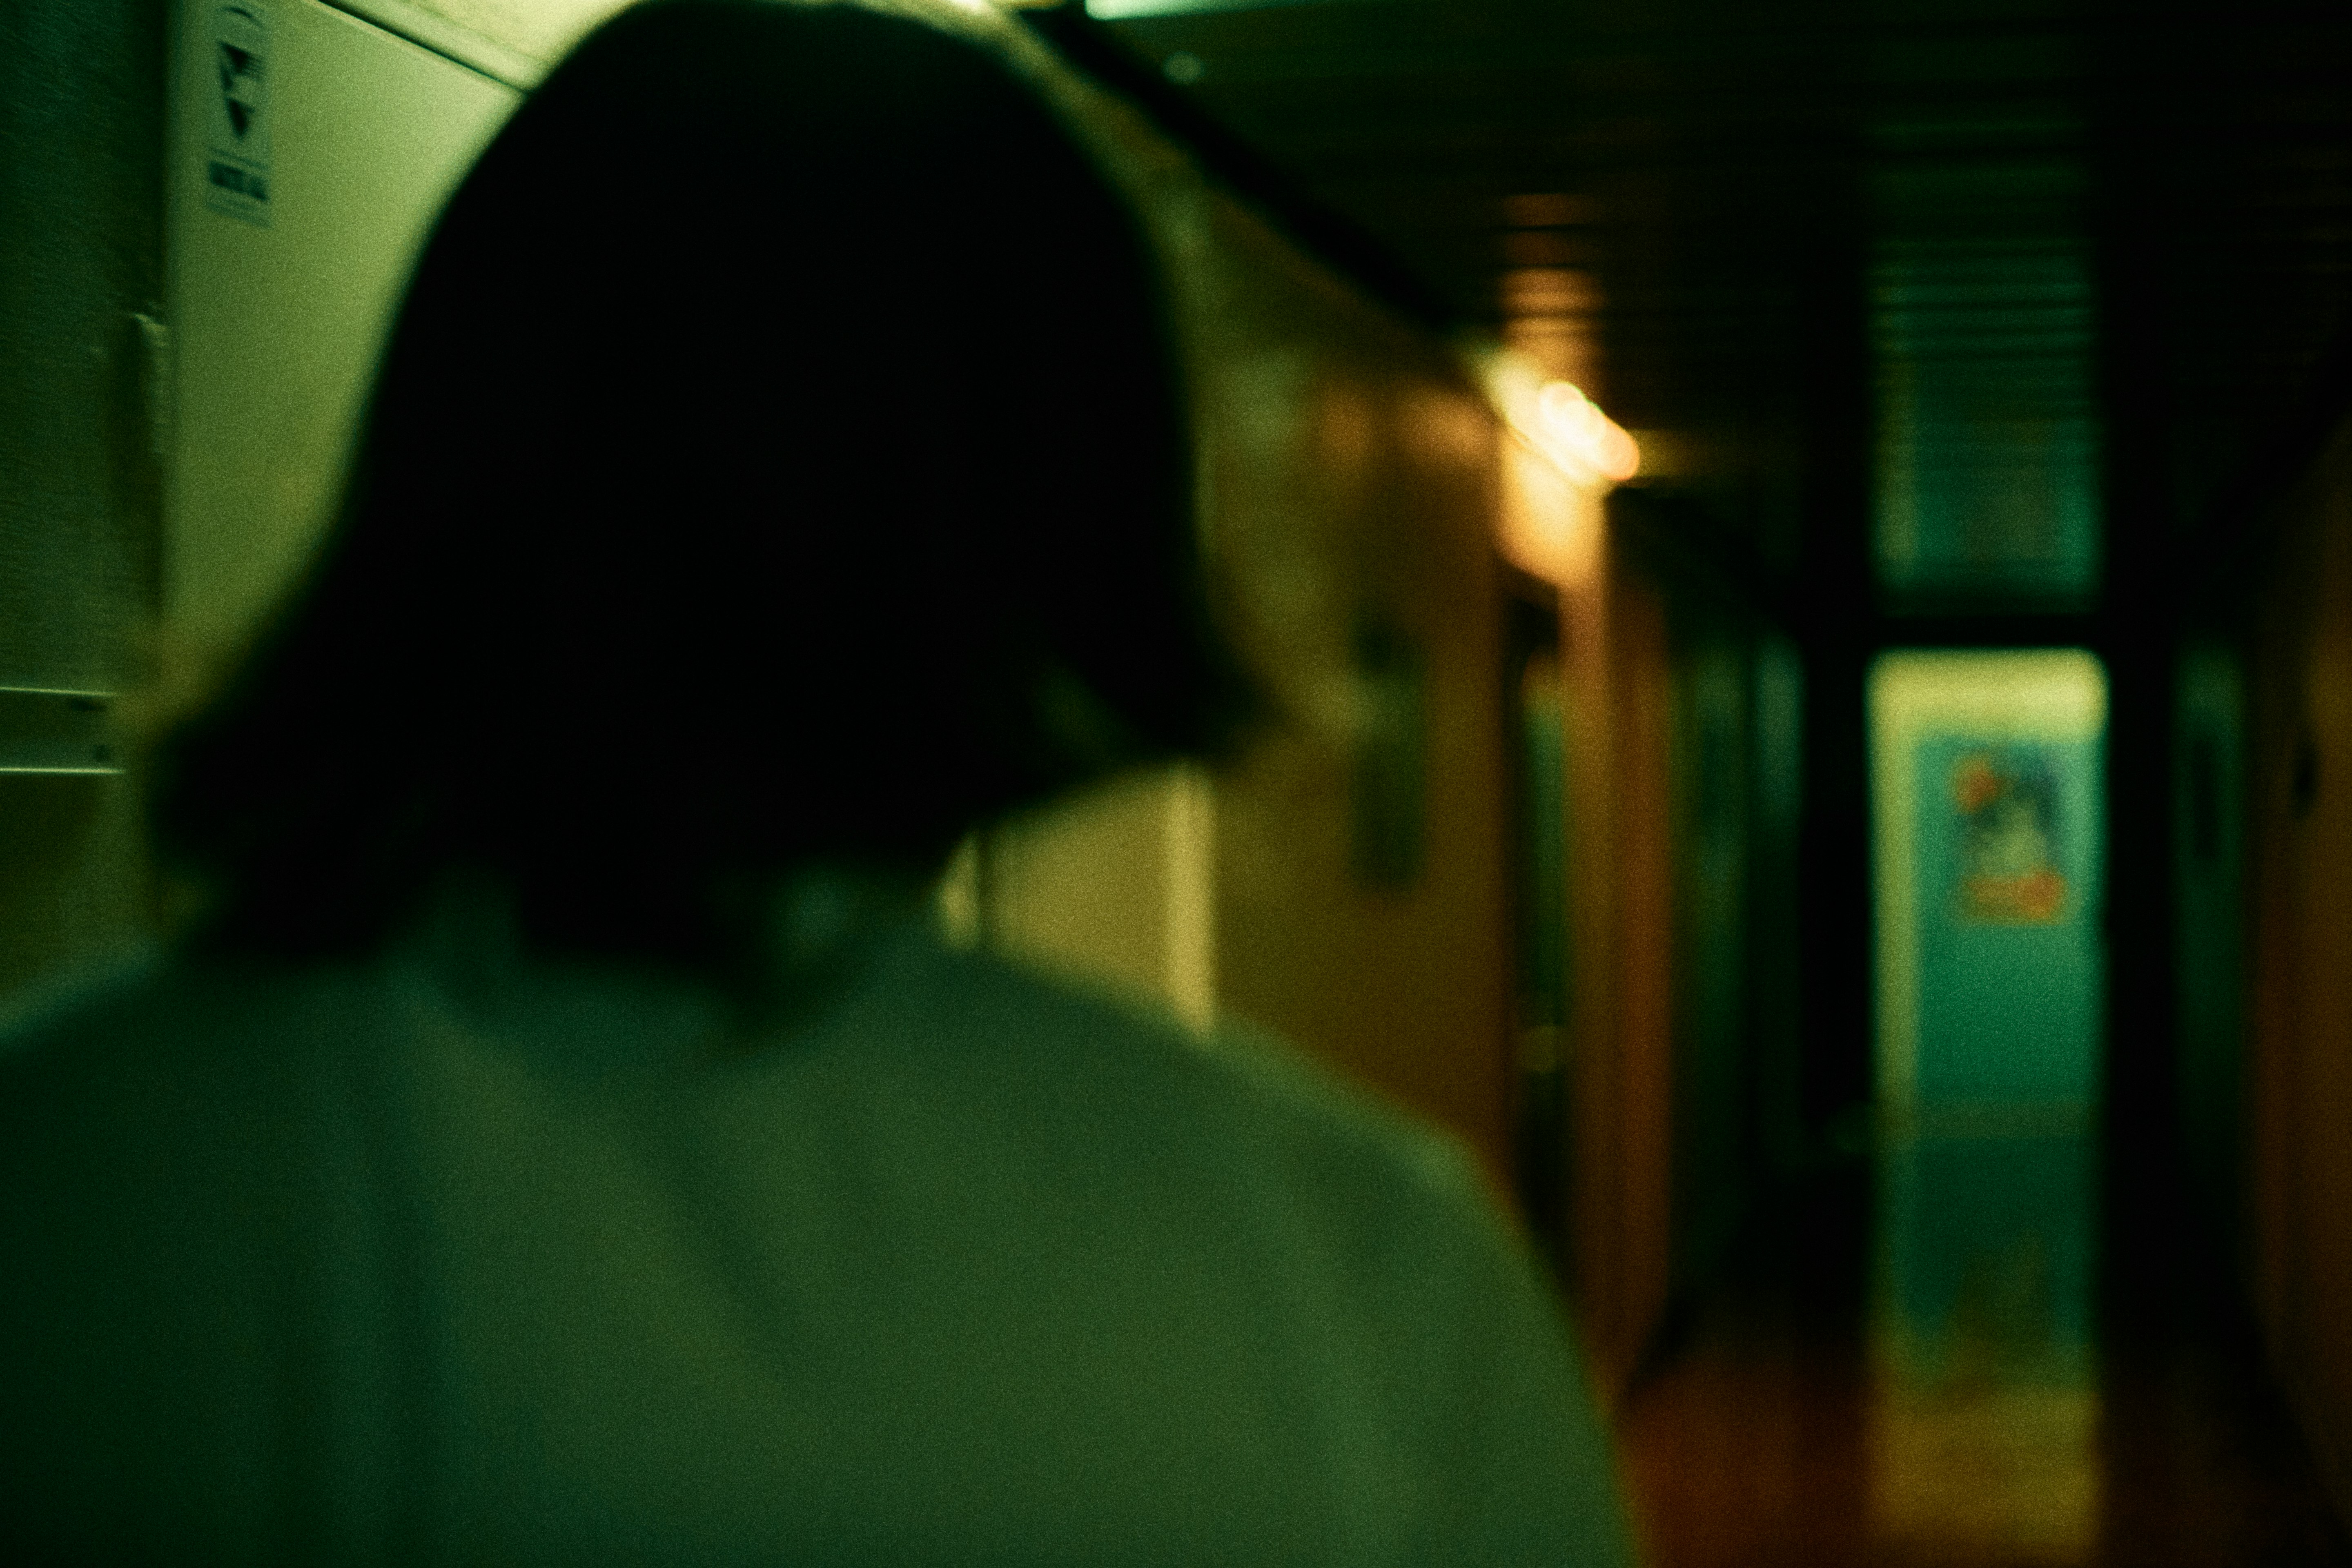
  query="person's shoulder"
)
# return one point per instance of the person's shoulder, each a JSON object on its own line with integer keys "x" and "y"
{"x": 1231, "y": 1085}
{"x": 65, "y": 1018}
{"x": 152, "y": 1030}
{"x": 1328, "y": 1124}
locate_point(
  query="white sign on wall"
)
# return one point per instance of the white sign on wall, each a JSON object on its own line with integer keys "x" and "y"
{"x": 237, "y": 144}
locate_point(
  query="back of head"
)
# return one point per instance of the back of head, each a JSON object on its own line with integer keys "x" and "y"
{"x": 778, "y": 457}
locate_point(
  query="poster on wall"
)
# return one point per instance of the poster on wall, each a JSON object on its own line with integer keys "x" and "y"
{"x": 1987, "y": 835}
{"x": 2008, "y": 836}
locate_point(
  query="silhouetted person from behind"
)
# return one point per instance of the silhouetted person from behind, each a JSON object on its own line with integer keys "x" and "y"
{"x": 561, "y": 1136}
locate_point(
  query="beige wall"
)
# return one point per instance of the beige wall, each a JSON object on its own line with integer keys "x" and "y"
{"x": 1353, "y": 490}
{"x": 1113, "y": 890}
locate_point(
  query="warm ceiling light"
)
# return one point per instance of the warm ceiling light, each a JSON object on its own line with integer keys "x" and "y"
{"x": 1595, "y": 439}
{"x": 1557, "y": 420}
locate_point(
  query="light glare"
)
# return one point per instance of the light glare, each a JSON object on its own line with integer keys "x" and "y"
{"x": 1596, "y": 440}
{"x": 1557, "y": 420}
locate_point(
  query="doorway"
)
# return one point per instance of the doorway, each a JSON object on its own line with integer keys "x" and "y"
{"x": 1987, "y": 797}
{"x": 1988, "y": 800}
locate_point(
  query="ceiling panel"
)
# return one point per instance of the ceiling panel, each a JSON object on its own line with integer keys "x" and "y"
{"x": 1728, "y": 190}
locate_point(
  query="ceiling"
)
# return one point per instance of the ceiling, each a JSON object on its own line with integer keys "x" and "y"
{"x": 2011, "y": 248}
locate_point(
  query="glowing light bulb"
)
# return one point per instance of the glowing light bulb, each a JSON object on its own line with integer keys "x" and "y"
{"x": 1590, "y": 437}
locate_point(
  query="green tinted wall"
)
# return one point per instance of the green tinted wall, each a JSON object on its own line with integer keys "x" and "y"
{"x": 1989, "y": 829}
{"x": 2009, "y": 985}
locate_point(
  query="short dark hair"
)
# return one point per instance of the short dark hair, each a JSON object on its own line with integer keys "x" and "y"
{"x": 780, "y": 456}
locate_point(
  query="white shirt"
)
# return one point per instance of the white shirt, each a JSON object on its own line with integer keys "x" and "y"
{"x": 458, "y": 1257}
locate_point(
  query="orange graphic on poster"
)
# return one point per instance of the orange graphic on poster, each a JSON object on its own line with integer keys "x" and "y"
{"x": 2008, "y": 805}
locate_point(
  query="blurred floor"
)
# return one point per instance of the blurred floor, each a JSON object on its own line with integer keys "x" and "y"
{"x": 1902, "y": 1366}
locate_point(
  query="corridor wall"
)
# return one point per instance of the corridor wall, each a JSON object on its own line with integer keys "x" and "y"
{"x": 84, "y": 412}
{"x": 1679, "y": 731}
{"x": 1732, "y": 875}
{"x": 1351, "y": 890}
{"x": 171, "y": 438}
{"x": 2299, "y": 1065}
{"x": 278, "y": 306}
{"x": 1618, "y": 671}
{"x": 2209, "y": 872}
{"x": 1354, "y": 493}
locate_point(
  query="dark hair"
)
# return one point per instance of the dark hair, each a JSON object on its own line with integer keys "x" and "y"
{"x": 779, "y": 456}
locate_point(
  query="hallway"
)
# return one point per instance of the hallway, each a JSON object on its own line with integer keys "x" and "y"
{"x": 1799, "y": 570}
{"x": 1804, "y": 1413}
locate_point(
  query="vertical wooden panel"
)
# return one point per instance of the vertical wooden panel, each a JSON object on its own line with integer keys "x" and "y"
{"x": 1592, "y": 1065}
{"x": 2274, "y": 943}
{"x": 1645, "y": 1108}
{"x": 2323, "y": 1085}
{"x": 2300, "y": 913}
{"x": 1618, "y": 673}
